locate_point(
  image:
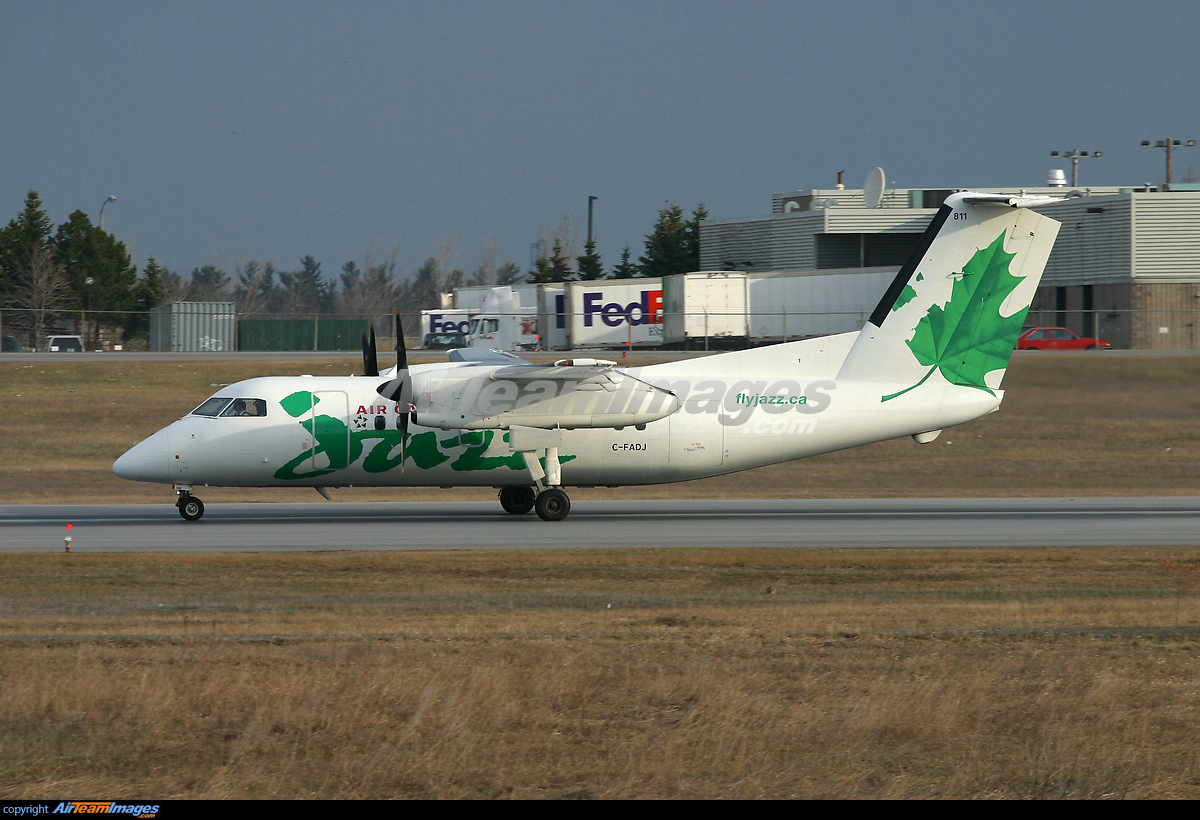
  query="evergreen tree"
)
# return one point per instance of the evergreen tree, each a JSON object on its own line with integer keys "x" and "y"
{"x": 626, "y": 269}
{"x": 674, "y": 245}
{"x": 553, "y": 268}
{"x": 666, "y": 245}
{"x": 692, "y": 243}
{"x": 509, "y": 273}
{"x": 305, "y": 290}
{"x": 255, "y": 290}
{"x": 21, "y": 239}
{"x": 152, "y": 290}
{"x": 588, "y": 265}
{"x": 424, "y": 292}
{"x": 86, "y": 252}
{"x": 208, "y": 284}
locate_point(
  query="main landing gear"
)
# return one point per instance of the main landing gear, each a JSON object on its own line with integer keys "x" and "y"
{"x": 551, "y": 504}
{"x": 546, "y": 496}
{"x": 190, "y": 507}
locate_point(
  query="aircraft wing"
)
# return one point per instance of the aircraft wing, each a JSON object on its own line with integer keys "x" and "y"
{"x": 579, "y": 393}
{"x": 596, "y": 371}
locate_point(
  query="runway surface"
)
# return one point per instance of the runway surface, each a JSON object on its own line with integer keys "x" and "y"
{"x": 897, "y": 523}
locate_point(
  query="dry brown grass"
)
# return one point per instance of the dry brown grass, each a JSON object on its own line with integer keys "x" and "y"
{"x": 1071, "y": 425}
{"x": 616, "y": 673}
{"x": 626, "y": 673}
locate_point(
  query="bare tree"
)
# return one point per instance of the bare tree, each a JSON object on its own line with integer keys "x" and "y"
{"x": 566, "y": 236}
{"x": 485, "y": 274}
{"x": 255, "y": 290}
{"x": 41, "y": 288}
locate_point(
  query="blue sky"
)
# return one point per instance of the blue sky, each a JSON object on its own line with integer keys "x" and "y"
{"x": 263, "y": 130}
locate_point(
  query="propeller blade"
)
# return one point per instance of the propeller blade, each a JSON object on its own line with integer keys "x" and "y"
{"x": 403, "y": 439}
{"x": 370, "y": 355}
{"x": 401, "y": 350}
{"x": 399, "y": 390}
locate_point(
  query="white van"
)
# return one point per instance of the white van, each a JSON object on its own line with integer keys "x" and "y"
{"x": 64, "y": 344}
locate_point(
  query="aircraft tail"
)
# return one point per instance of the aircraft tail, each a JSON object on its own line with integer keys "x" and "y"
{"x": 957, "y": 305}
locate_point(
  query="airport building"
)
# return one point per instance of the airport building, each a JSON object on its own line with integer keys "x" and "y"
{"x": 1125, "y": 268}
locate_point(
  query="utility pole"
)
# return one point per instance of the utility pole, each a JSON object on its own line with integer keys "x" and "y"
{"x": 591, "y": 199}
{"x": 1166, "y": 144}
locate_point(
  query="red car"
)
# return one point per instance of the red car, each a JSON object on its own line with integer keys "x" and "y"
{"x": 1056, "y": 338}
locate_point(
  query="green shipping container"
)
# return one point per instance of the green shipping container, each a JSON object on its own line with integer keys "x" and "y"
{"x": 301, "y": 334}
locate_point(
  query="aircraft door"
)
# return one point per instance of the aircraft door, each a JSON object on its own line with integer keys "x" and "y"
{"x": 328, "y": 423}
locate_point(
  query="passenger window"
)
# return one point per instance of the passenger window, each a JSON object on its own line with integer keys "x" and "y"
{"x": 380, "y": 422}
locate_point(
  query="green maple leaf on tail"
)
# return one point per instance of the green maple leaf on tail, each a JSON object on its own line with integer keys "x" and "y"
{"x": 968, "y": 338}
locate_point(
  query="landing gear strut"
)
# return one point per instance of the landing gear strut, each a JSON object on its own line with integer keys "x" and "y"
{"x": 190, "y": 507}
{"x": 551, "y": 504}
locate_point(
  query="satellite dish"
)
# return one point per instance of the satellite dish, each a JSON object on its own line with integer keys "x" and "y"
{"x": 873, "y": 188}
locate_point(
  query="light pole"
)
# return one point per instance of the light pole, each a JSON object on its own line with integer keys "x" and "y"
{"x": 88, "y": 284}
{"x": 1166, "y": 144}
{"x": 1075, "y": 155}
{"x": 110, "y": 199}
{"x": 591, "y": 199}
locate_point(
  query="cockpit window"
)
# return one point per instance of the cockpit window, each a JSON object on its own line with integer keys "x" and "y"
{"x": 212, "y": 407}
{"x": 246, "y": 407}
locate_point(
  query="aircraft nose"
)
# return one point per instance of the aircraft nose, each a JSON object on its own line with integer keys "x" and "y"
{"x": 146, "y": 461}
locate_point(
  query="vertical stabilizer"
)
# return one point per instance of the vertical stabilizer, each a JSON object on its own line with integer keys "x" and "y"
{"x": 955, "y": 309}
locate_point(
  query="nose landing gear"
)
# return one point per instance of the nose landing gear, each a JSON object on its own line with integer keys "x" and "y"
{"x": 190, "y": 507}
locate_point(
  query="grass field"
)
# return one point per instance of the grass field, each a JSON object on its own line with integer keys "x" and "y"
{"x": 614, "y": 673}
{"x": 718, "y": 673}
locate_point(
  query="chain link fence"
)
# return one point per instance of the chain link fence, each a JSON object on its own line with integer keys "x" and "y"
{"x": 225, "y": 330}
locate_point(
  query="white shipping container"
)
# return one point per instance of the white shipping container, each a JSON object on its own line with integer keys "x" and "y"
{"x": 552, "y": 324}
{"x": 626, "y": 313}
{"x": 471, "y": 297}
{"x": 788, "y": 307}
{"x": 705, "y": 305}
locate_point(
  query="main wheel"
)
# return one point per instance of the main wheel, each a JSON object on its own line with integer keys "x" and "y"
{"x": 191, "y": 508}
{"x": 552, "y": 505}
{"x": 517, "y": 500}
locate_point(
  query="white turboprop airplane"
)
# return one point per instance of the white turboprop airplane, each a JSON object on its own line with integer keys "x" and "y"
{"x": 931, "y": 356}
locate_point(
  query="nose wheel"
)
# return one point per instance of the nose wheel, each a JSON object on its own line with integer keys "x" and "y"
{"x": 190, "y": 507}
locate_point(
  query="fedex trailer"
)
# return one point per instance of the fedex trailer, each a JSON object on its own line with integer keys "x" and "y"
{"x": 610, "y": 314}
